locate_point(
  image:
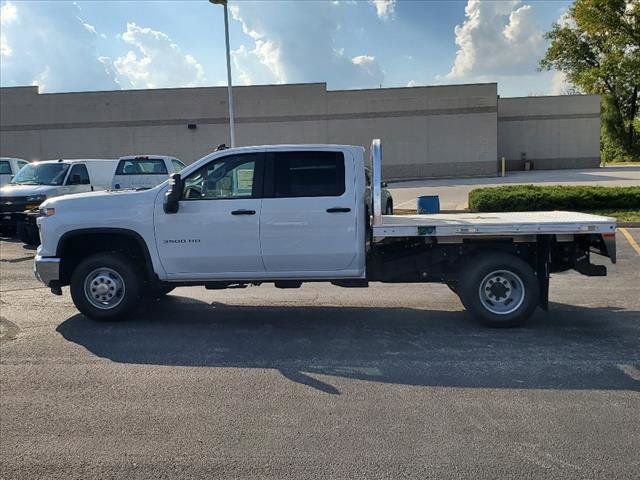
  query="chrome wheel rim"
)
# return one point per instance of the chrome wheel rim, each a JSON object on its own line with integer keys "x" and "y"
{"x": 501, "y": 292}
{"x": 104, "y": 288}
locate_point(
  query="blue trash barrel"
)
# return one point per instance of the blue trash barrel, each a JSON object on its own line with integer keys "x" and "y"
{"x": 428, "y": 204}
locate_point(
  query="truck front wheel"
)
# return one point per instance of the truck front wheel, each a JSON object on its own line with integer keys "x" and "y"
{"x": 105, "y": 286}
{"x": 500, "y": 290}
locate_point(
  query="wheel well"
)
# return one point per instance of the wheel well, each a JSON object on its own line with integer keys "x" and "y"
{"x": 77, "y": 246}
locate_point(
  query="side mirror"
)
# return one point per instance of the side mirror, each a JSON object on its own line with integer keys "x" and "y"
{"x": 174, "y": 192}
{"x": 384, "y": 184}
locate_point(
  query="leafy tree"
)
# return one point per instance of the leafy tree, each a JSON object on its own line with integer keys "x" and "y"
{"x": 597, "y": 46}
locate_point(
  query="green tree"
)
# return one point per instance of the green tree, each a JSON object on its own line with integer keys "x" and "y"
{"x": 597, "y": 46}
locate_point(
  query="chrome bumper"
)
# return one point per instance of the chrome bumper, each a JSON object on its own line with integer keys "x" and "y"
{"x": 47, "y": 269}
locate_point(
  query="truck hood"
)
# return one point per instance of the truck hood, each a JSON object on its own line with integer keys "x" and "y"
{"x": 103, "y": 199}
{"x": 25, "y": 190}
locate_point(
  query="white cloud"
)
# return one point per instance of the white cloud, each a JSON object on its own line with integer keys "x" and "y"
{"x": 412, "y": 83}
{"x": 284, "y": 45}
{"x": 46, "y": 44}
{"x": 368, "y": 65}
{"x": 5, "y": 49}
{"x": 560, "y": 85}
{"x": 155, "y": 61}
{"x": 496, "y": 39}
{"x": 384, "y": 8}
{"x": 8, "y": 13}
{"x": 90, "y": 28}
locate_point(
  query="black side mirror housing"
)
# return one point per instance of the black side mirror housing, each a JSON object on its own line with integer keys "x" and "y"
{"x": 384, "y": 184}
{"x": 174, "y": 192}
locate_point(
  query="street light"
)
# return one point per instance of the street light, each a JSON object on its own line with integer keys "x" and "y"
{"x": 232, "y": 127}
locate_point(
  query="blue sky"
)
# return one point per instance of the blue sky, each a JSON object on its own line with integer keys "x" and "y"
{"x": 101, "y": 45}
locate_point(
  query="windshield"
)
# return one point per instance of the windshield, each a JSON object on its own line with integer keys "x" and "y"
{"x": 41, "y": 174}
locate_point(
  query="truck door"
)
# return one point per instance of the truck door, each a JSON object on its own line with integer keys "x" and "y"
{"x": 308, "y": 220}
{"x": 215, "y": 233}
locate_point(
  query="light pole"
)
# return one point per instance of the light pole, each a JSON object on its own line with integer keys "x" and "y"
{"x": 232, "y": 127}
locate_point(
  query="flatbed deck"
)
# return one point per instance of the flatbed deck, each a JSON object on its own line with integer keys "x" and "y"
{"x": 492, "y": 224}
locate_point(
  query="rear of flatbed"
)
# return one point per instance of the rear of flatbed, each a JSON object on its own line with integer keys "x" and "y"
{"x": 498, "y": 263}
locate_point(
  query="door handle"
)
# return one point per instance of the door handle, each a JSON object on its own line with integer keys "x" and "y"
{"x": 338, "y": 210}
{"x": 243, "y": 212}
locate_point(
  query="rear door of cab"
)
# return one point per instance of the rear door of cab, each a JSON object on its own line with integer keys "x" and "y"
{"x": 308, "y": 220}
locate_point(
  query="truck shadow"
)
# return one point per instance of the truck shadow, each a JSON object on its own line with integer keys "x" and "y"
{"x": 568, "y": 348}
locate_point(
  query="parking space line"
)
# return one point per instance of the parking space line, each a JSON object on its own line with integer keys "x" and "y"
{"x": 630, "y": 239}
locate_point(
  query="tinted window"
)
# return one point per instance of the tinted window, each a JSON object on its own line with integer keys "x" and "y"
{"x": 309, "y": 174}
{"x": 21, "y": 164}
{"x": 142, "y": 166}
{"x": 228, "y": 177}
{"x": 177, "y": 165}
{"x": 79, "y": 175}
{"x": 5, "y": 168}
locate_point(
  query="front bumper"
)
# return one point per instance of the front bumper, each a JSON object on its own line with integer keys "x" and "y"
{"x": 47, "y": 270}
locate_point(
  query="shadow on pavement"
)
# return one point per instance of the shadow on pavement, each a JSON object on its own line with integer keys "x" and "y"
{"x": 568, "y": 348}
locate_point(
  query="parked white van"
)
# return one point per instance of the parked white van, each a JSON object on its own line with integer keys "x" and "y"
{"x": 35, "y": 182}
{"x": 9, "y": 167}
{"x": 144, "y": 171}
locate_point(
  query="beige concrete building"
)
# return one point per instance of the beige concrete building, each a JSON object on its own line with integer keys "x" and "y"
{"x": 550, "y": 132}
{"x": 438, "y": 131}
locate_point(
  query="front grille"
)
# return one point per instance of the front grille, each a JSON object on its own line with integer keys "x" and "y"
{"x": 13, "y": 204}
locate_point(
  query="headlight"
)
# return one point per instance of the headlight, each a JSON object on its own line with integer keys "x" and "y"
{"x": 47, "y": 212}
{"x": 36, "y": 199}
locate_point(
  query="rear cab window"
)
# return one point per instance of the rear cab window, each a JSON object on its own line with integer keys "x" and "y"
{"x": 308, "y": 174}
{"x": 5, "y": 167}
{"x": 142, "y": 166}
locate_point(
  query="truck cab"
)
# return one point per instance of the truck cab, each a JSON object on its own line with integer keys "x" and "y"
{"x": 288, "y": 214}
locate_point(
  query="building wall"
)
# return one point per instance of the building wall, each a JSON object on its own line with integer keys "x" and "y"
{"x": 438, "y": 131}
{"x": 420, "y": 127}
{"x": 551, "y": 132}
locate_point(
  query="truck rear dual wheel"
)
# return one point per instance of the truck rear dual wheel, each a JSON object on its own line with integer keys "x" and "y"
{"x": 500, "y": 290}
{"x": 105, "y": 286}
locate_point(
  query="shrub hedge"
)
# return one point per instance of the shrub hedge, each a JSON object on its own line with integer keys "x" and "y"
{"x": 519, "y": 198}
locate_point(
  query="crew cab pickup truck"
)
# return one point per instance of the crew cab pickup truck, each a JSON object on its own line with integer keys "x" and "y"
{"x": 290, "y": 214}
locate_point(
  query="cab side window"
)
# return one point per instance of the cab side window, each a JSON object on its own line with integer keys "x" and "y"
{"x": 232, "y": 177}
{"x": 78, "y": 175}
{"x": 309, "y": 174}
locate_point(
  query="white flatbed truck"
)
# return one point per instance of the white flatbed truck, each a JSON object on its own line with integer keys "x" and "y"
{"x": 289, "y": 214}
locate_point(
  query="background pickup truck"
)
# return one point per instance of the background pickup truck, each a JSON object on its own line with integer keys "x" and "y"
{"x": 293, "y": 214}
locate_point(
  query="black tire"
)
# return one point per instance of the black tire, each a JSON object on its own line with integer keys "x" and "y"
{"x": 158, "y": 292}
{"x": 28, "y": 234}
{"x": 496, "y": 281}
{"x": 124, "y": 268}
{"x": 388, "y": 209}
{"x": 8, "y": 231}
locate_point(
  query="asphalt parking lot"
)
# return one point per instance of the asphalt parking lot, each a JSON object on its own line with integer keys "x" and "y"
{"x": 322, "y": 382}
